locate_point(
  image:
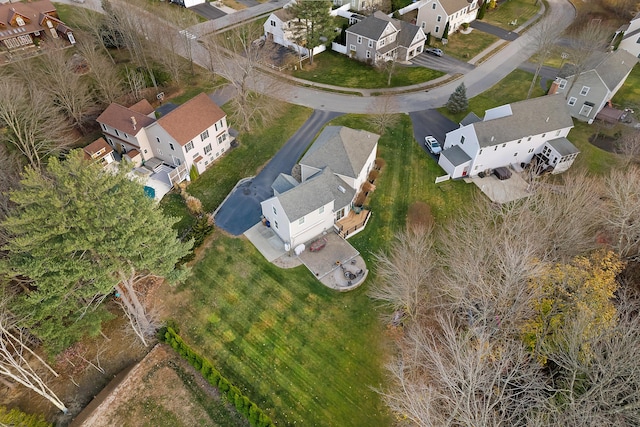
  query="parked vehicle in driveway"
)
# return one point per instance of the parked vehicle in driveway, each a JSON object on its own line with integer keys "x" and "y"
{"x": 432, "y": 144}
{"x": 434, "y": 51}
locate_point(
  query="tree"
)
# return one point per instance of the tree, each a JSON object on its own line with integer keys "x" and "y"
{"x": 32, "y": 124}
{"x": 382, "y": 113}
{"x": 445, "y": 33}
{"x": 313, "y": 25}
{"x": 545, "y": 35}
{"x": 458, "y": 102}
{"x": 482, "y": 10}
{"x": 628, "y": 146}
{"x": 78, "y": 232}
{"x": 107, "y": 82}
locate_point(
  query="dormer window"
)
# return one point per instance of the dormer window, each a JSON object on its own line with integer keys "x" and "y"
{"x": 20, "y": 21}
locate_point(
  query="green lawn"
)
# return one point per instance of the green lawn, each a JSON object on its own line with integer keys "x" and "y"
{"x": 629, "y": 94}
{"x": 511, "y": 10}
{"x": 255, "y": 150}
{"x": 304, "y": 353}
{"x": 336, "y": 69}
{"x": 465, "y": 46}
{"x": 591, "y": 158}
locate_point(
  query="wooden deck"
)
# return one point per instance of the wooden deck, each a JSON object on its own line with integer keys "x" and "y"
{"x": 352, "y": 222}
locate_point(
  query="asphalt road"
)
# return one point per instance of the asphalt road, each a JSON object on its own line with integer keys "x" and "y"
{"x": 430, "y": 122}
{"x": 242, "y": 209}
{"x": 443, "y": 63}
{"x": 496, "y": 31}
{"x": 208, "y": 11}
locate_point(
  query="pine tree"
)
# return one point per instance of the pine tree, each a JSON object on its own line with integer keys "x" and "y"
{"x": 77, "y": 232}
{"x": 445, "y": 33}
{"x": 458, "y": 100}
{"x": 313, "y": 25}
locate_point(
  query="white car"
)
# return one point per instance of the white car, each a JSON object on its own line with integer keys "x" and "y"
{"x": 432, "y": 144}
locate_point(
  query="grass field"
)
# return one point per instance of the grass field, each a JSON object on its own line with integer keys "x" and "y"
{"x": 336, "y": 69}
{"x": 510, "y": 10}
{"x": 465, "y": 46}
{"x": 629, "y": 94}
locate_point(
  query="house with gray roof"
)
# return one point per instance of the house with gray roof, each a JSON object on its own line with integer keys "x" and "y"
{"x": 631, "y": 37}
{"x": 594, "y": 88}
{"x": 434, "y": 15}
{"x": 332, "y": 173}
{"x": 512, "y": 134}
{"x": 381, "y": 38}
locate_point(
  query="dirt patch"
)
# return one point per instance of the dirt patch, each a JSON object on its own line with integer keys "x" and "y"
{"x": 604, "y": 142}
{"x": 419, "y": 215}
{"x": 160, "y": 390}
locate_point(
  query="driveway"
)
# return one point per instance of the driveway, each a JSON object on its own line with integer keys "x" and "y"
{"x": 496, "y": 31}
{"x": 207, "y": 10}
{"x": 242, "y": 209}
{"x": 442, "y": 63}
{"x": 546, "y": 73}
{"x": 430, "y": 122}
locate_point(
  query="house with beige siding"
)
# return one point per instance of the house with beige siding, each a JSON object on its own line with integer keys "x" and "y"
{"x": 433, "y": 15}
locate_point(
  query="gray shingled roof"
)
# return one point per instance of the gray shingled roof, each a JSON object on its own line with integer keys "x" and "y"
{"x": 372, "y": 27}
{"x": 470, "y": 118}
{"x": 530, "y": 117}
{"x": 452, "y": 6}
{"x": 315, "y": 192}
{"x": 342, "y": 149}
{"x": 283, "y": 183}
{"x": 455, "y": 155}
{"x": 615, "y": 67}
{"x": 563, "y": 146}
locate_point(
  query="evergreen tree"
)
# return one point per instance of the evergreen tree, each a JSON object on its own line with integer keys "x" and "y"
{"x": 445, "y": 33}
{"x": 482, "y": 10}
{"x": 313, "y": 25}
{"x": 458, "y": 101}
{"x": 76, "y": 233}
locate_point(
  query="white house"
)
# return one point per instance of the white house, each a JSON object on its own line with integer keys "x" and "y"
{"x": 279, "y": 28}
{"x": 631, "y": 38}
{"x": 194, "y": 134}
{"x": 99, "y": 151}
{"x": 594, "y": 88}
{"x": 187, "y": 3}
{"x": 332, "y": 173}
{"x": 512, "y": 134}
{"x": 433, "y": 15}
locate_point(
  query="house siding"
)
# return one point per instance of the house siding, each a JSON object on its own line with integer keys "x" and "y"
{"x": 598, "y": 95}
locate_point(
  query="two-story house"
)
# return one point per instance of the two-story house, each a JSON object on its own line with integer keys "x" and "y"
{"x": 333, "y": 171}
{"x": 594, "y": 88}
{"x": 381, "y": 38}
{"x": 279, "y": 29}
{"x": 194, "y": 134}
{"x": 512, "y": 134}
{"x": 433, "y": 15}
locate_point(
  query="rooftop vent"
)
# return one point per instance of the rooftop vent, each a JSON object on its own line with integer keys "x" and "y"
{"x": 341, "y": 188}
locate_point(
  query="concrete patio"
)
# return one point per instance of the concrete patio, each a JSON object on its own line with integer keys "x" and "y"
{"x": 505, "y": 191}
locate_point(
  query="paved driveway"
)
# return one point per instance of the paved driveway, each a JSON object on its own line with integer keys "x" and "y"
{"x": 208, "y": 11}
{"x": 430, "y": 122}
{"x": 242, "y": 209}
{"x": 442, "y": 63}
{"x": 496, "y": 31}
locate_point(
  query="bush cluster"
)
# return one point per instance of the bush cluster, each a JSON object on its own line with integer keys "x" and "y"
{"x": 16, "y": 417}
{"x": 246, "y": 407}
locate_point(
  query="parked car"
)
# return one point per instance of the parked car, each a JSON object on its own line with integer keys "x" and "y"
{"x": 434, "y": 51}
{"x": 432, "y": 144}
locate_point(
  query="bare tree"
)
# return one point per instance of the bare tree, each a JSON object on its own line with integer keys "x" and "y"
{"x": 628, "y": 146}
{"x": 107, "y": 82}
{"x": 382, "y": 113}
{"x": 404, "y": 274}
{"x": 545, "y": 35}
{"x": 33, "y": 124}
{"x": 586, "y": 43}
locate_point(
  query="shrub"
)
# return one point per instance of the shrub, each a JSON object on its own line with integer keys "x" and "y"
{"x": 16, "y": 417}
{"x": 194, "y": 205}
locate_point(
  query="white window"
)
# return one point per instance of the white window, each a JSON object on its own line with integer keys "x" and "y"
{"x": 104, "y": 127}
{"x": 321, "y": 210}
{"x": 301, "y": 221}
{"x": 437, "y": 29}
{"x": 368, "y": 55}
{"x": 359, "y": 39}
{"x": 188, "y": 147}
{"x": 584, "y": 91}
{"x": 117, "y": 133}
{"x": 352, "y": 47}
{"x": 204, "y": 135}
{"x": 562, "y": 84}
{"x": 433, "y": 6}
{"x": 275, "y": 223}
{"x": 171, "y": 146}
{"x": 423, "y": 25}
{"x": 19, "y": 21}
{"x": 370, "y": 43}
{"x": 519, "y": 141}
{"x": 530, "y": 150}
{"x": 439, "y": 18}
{"x": 207, "y": 149}
{"x": 515, "y": 154}
{"x": 274, "y": 210}
{"x": 586, "y": 110}
{"x": 124, "y": 148}
{"x": 572, "y": 101}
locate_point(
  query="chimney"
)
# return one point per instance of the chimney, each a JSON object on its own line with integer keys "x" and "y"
{"x": 553, "y": 89}
{"x": 133, "y": 122}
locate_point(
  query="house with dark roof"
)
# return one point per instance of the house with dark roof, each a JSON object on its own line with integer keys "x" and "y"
{"x": 534, "y": 130}
{"x": 100, "y": 152}
{"x": 594, "y": 88}
{"x": 26, "y": 25}
{"x": 631, "y": 37}
{"x": 332, "y": 172}
{"x": 381, "y": 38}
{"x": 434, "y": 15}
{"x": 195, "y": 134}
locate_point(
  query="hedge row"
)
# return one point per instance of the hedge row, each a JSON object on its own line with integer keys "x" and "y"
{"x": 16, "y": 417}
{"x": 250, "y": 410}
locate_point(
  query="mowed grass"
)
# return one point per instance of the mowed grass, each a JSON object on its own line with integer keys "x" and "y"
{"x": 304, "y": 353}
{"x": 629, "y": 94}
{"x": 336, "y": 69}
{"x": 408, "y": 177}
{"x": 255, "y": 150}
{"x": 465, "y": 46}
{"x": 510, "y": 10}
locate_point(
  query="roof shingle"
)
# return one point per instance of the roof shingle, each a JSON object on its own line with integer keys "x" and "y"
{"x": 191, "y": 118}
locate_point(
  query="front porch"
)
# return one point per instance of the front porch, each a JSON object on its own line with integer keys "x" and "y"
{"x": 353, "y": 223}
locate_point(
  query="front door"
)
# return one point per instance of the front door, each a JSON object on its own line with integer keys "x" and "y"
{"x": 339, "y": 214}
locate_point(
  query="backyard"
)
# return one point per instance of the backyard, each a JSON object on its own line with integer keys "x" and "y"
{"x": 510, "y": 14}
{"x": 465, "y": 46}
